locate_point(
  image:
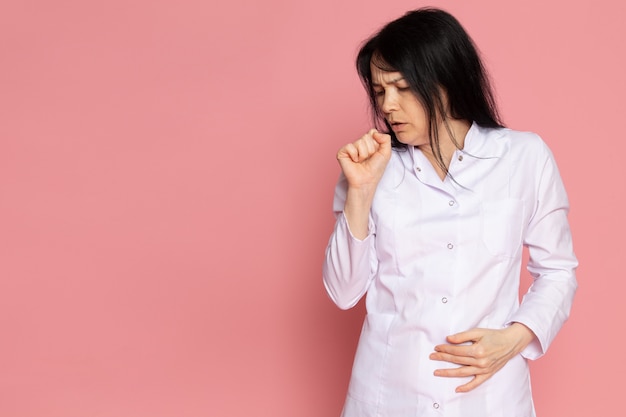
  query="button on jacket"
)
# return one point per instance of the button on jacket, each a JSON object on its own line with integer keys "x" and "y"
{"x": 443, "y": 257}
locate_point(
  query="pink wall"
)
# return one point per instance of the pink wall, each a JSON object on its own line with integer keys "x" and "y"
{"x": 166, "y": 175}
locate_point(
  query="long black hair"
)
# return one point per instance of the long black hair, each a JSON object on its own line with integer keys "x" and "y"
{"x": 433, "y": 52}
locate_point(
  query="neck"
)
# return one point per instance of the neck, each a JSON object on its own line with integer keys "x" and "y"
{"x": 451, "y": 137}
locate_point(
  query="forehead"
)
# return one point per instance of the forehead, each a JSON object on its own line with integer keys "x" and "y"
{"x": 382, "y": 77}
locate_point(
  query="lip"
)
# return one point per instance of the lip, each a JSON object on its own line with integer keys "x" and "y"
{"x": 397, "y": 126}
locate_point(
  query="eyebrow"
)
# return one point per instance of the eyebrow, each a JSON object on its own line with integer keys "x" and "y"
{"x": 395, "y": 80}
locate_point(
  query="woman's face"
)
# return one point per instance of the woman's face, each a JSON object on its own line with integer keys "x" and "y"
{"x": 401, "y": 108}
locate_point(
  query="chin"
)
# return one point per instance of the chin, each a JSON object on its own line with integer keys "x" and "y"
{"x": 412, "y": 141}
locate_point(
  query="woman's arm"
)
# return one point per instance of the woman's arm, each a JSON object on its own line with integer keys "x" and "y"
{"x": 350, "y": 259}
{"x": 552, "y": 263}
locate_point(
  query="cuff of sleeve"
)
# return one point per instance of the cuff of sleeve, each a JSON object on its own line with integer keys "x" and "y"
{"x": 534, "y": 350}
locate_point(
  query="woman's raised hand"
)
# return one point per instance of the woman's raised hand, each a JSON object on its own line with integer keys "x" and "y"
{"x": 363, "y": 162}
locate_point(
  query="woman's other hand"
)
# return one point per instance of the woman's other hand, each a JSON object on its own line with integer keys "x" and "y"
{"x": 488, "y": 352}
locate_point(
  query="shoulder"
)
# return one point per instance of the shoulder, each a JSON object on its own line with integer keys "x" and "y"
{"x": 516, "y": 144}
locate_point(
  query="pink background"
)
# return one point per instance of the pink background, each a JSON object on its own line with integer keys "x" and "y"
{"x": 166, "y": 177}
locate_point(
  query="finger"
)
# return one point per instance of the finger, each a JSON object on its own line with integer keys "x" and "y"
{"x": 381, "y": 138}
{"x": 383, "y": 141}
{"x": 461, "y": 371}
{"x": 364, "y": 149}
{"x": 458, "y": 359}
{"x": 475, "y": 382}
{"x": 472, "y": 335}
{"x": 372, "y": 145}
{"x": 475, "y": 351}
{"x": 456, "y": 350}
{"x": 349, "y": 151}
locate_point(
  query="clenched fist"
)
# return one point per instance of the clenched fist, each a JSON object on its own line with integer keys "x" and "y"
{"x": 363, "y": 162}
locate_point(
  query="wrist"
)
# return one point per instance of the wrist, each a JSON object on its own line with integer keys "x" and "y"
{"x": 363, "y": 193}
{"x": 357, "y": 210}
{"x": 522, "y": 334}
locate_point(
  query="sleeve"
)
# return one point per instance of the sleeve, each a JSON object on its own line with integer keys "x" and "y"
{"x": 350, "y": 263}
{"x": 552, "y": 263}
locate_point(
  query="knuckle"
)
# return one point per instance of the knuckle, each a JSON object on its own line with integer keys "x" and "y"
{"x": 483, "y": 363}
{"x": 484, "y": 369}
{"x": 479, "y": 351}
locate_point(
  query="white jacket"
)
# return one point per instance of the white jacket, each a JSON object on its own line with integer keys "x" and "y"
{"x": 443, "y": 257}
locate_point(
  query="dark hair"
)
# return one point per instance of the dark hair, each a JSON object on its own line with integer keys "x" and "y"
{"x": 432, "y": 51}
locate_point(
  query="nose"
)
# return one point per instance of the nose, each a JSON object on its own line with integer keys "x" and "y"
{"x": 389, "y": 102}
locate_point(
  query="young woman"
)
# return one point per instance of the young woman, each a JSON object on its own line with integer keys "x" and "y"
{"x": 433, "y": 209}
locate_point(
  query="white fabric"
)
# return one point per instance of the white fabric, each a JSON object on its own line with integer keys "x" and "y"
{"x": 443, "y": 257}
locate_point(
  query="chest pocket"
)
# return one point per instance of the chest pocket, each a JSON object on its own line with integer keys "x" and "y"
{"x": 502, "y": 225}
